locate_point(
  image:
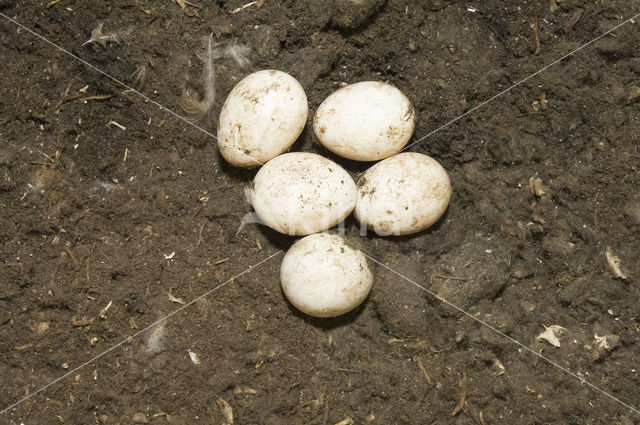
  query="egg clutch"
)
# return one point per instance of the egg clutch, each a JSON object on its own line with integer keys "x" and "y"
{"x": 304, "y": 194}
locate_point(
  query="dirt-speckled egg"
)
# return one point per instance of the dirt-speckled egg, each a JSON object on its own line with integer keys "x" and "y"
{"x": 300, "y": 193}
{"x": 403, "y": 194}
{"x": 262, "y": 117}
{"x": 321, "y": 275}
{"x": 365, "y": 121}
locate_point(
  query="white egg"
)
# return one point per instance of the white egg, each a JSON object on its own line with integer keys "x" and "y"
{"x": 324, "y": 277}
{"x": 403, "y": 194}
{"x": 262, "y": 117}
{"x": 365, "y": 121}
{"x": 301, "y": 193}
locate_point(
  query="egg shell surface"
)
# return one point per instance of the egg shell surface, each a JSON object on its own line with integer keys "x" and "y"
{"x": 261, "y": 118}
{"x": 323, "y": 277}
{"x": 365, "y": 121}
{"x": 403, "y": 194}
{"x": 300, "y": 193}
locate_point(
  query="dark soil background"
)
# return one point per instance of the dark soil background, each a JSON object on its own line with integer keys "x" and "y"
{"x": 94, "y": 215}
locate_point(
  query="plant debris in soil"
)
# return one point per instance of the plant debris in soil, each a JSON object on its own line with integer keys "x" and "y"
{"x": 109, "y": 200}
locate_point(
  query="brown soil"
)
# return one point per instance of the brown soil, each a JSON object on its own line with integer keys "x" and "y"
{"x": 96, "y": 215}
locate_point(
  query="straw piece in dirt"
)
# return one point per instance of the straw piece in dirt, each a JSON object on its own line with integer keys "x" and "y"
{"x": 481, "y": 418}
{"x": 615, "y": 265}
{"x": 535, "y": 26}
{"x": 103, "y": 312}
{"x": 115, "y": 123}
{"x": 95, "y": 97}
{"x": 226, "y": 410}
{"x": 423, "y": 369}
{"x": 243, "y": 7}
{"x": 175, "y": 299}
{"x": 24, "y": 346}
{"x": 463, "y": 395}
{"x": 244, "y": 390}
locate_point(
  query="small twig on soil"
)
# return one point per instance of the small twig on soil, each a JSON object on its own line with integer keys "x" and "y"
{"x": 98, "y": 97}
{"x": 73, "y": 257}
{"x": 103, "y": 312}
{"x": 65, "y": 97}
{"x": 535, "y": 26}
{"x": 53, "y": 3}
{"x": 463, "y": 396}
{"x": 224, "y": 260}
{"x": 424, "y": 371}
{"x": 241, "y": 8}
{"x": 48, "y": 157}
{"x": 200, "y": 235}
{"x": 462, "y": 279}
{"x": 120, "y": 126}
{"x": 24, "y": 347}
{"x": 341, "y": 369}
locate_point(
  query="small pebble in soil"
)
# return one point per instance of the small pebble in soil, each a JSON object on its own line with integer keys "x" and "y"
{"x": 351, "y": 14}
